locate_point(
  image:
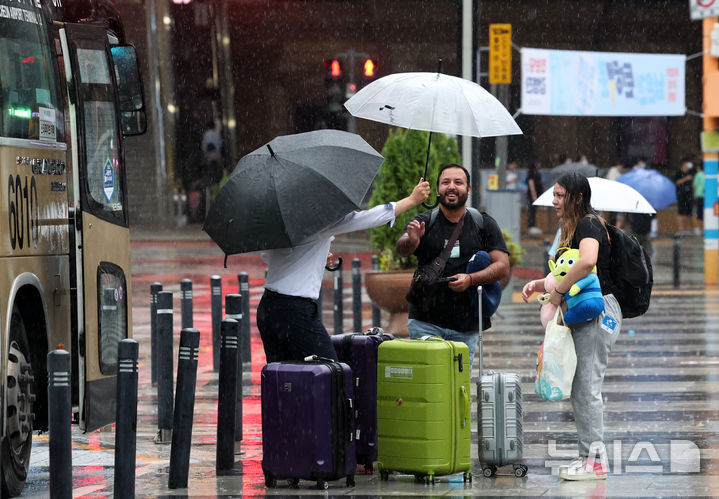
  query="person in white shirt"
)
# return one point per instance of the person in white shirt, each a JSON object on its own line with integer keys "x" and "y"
{"x": 288, "y": 318}
{"x": 512, "y": 178}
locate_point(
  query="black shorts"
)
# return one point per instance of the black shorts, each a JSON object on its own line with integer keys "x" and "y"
{"x": 684, "y": 206}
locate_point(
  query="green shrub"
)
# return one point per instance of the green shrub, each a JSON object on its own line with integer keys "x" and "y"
{"x": 405, "y": 153}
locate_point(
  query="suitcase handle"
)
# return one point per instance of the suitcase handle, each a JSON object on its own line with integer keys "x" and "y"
{"x": 465, "y": 405}
{"x": 430, "y": 337}
{"x": 317, "y": 358}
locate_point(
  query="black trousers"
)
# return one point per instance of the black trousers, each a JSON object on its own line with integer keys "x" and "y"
{"x": 291, "y": 328}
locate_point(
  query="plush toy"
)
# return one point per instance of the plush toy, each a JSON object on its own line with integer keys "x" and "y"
{"x": 546, "y": 313}
{"x": 584, "y": 299}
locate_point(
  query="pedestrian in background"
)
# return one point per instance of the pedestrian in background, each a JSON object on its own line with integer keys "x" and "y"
{"x": 512, "y": 178}
{"x": 685, "y": 195}
{"x": 698, "y": 184}
{"x": 583, "y": 228}
{"x": 288, "y": 318}
{"x": 535, "y": 188}
{"x": 640, "y": 226}
{"x": 616, "y": 171}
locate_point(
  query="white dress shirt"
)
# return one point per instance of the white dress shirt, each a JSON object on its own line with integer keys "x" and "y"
{"x": 298, "y": 271}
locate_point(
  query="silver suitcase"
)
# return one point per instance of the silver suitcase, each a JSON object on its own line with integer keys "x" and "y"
{"x": 499, "y": 417}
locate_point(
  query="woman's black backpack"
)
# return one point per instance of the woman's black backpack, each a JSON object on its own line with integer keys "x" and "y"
{"x": 631, "y": 272}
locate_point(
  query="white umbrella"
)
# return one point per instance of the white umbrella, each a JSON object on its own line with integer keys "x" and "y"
{"x": 607, "y": 195}
{"x": 433, "y": 102}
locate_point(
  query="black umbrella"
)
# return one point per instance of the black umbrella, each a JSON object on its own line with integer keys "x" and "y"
{"x": 291, "y": 188}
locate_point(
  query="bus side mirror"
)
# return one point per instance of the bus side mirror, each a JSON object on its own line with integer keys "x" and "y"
{"x": 129, "y": 89}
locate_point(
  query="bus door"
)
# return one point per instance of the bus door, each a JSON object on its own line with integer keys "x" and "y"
{"x": 102, "y": 237}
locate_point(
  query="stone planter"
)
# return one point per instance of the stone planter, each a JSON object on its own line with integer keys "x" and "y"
{"x": 387, "y": 290}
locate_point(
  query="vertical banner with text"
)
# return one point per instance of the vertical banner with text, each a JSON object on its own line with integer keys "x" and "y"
{"x": 500, "y": 54}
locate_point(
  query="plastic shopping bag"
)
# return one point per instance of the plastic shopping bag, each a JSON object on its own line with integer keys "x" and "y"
{"x": 556, "y": 362}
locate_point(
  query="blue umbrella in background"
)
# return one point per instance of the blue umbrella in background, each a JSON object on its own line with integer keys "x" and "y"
{"x": 655, "y": 187}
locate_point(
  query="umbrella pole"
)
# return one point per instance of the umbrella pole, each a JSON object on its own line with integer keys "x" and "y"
{"x": 426, "y": 161}
{"x": 426, "y": 164}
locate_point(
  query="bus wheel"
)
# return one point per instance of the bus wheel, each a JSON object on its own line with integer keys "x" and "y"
{"x": 17, "y": 443}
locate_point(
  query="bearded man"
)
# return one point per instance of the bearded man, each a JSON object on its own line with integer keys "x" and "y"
{"x": 445, "y": 309}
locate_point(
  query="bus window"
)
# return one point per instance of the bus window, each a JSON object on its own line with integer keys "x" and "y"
{"x": 104, "y": 182}
{"x": 112, "y": 301}
{"x": 129, "y": 90}
{"x": 28, "y": 98}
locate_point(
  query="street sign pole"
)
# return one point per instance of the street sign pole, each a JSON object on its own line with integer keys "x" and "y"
{"x": 500, "y": 76}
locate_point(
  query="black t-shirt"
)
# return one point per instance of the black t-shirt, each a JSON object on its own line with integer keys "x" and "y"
{"x": 444, "y": 307}
{"x": 536, "y": 175}
{"x": 591, "y": 226}
{"x": 685, "y": 191}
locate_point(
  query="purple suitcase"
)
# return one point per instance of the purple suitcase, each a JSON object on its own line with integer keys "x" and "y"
{"x": 359, "y": 351}
{"x": 307, "y": 422}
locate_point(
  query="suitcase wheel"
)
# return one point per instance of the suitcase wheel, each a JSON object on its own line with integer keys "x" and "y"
{"x": 467, "y": 477}
{"x": 350, "y": 480}
{"x": 293, "y": 483}
{"x": 383, "y": 475}
{"x": 489, "y": 471}
{"x": 270, "y": 481}
{"x": 430, "y": 479}
{"x": 323, "y": 485}
{"x": 520, "y": 470}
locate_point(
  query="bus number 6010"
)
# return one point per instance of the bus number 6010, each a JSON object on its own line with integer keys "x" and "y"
{"x": 23, "y": 212}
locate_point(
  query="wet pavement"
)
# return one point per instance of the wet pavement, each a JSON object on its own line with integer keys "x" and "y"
{"x": 661, "y": 391}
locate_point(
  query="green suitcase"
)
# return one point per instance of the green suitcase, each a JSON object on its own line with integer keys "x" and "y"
{"x": 423, "y": 408}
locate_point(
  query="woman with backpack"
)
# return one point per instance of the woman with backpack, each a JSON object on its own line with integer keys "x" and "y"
{"x": 584, "y": 229}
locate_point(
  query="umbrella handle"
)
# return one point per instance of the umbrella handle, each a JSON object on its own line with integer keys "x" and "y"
{"x": 430, "y": 206}
{"x": 336, "y": 266}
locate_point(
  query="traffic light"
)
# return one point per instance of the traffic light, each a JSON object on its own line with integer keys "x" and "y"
{"x": 369, "y": 70}
{"x": 335, "y": 94}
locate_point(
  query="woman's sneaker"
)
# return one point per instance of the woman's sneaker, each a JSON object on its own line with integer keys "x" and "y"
{"x": 583, "y": 469}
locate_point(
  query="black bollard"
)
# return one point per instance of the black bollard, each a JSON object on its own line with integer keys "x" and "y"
{"x": 184, "y": 408}
{"x": 126, "y": 413}
{"x": 186, "y": 303}
{"x": 338, "y": 306}
{"x": 216, "y": 313}
{"x": 60, "y": 410}
{"x": 164, "y": 366}
{"x": 226, "y": 407}
{"x": 244, "y": 285}
{"x": 233, "y": 310}
{"x": 677, "y": 240}
{"x": 356, "y": 295}
{"x": 155, "y": 288}
{"x": 376, "y": 314}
